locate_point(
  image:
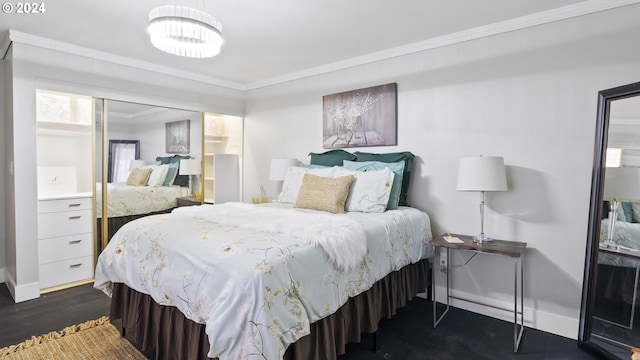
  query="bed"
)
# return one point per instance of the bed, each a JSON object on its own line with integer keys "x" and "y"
{"x": 270, "y": 281}
{"x": 270, "y": 270}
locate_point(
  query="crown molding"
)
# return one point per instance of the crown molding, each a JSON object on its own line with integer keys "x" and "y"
{"x": 523, "y": 22}
{"x": 5, "y": 42}
{"x": 28, "y": 39}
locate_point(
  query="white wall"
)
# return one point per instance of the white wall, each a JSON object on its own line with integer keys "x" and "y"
{"x": 33, "y": 67}
{"x": 2, "y": 169}
{"x": 529, "y": 96}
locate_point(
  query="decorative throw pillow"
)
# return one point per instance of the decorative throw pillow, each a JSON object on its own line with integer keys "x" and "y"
{"x": 158, "y": 174}
{"x": 370, "y": 191}
{"x": 397, "y": 168}
{"x": 139, "y": 177}
{"x": 293, "y": 180}
{"x": 180, "y": 180}
{"x": 323, "y": 193}
{"x": 331, "y": 158}
{"x": 405, "y": 156}
{"x": 171, "y": 174}
{"x": 636, "y": 212}
{"x": 628, "y": 211}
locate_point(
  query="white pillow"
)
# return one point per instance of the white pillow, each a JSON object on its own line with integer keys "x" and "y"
{"x": 158, "y": 174}
{"x": 293, "y": 180}
{"x": 370, "y": 191}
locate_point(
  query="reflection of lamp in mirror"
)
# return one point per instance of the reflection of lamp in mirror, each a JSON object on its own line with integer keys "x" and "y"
{"x": 620, "y": 184}
{"x": 190, "y": 167}
{"x": 482, "y": 173}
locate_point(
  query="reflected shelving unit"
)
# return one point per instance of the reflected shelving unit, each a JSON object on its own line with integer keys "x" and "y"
{"x": 222, "y": 156}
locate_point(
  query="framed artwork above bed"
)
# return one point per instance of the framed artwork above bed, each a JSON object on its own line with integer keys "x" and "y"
{"x": 363, "y": 117}
{"x": 178, "y": 137}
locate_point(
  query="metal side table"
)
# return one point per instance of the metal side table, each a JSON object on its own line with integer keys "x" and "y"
{"x": 511, "y": 249}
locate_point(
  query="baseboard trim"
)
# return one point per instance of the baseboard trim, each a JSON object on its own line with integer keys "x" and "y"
{"x": 2, "y": 277}
{"x": 22, "y": 293}
{"x": 534, "y": 318}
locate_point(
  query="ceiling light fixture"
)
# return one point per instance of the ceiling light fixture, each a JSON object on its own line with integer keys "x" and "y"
{"x": 184, "y": 31}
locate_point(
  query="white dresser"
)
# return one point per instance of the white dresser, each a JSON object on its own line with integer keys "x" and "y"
{"x": 65, "y": 240}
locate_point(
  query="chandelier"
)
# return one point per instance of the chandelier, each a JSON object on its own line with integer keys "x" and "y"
{"x": 184, "y": 31}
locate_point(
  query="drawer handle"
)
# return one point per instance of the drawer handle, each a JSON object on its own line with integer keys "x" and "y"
{"x": 75, "y": 217}
{"x": 75, "y": 265}
{"x": 74, "y": 205}
{"x": 75, "y": 241}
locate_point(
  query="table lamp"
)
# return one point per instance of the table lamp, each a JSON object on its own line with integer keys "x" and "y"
{"x": 190, "y": 167}
{"x": 482, "y": 173}
{"x": 620, "y": 184}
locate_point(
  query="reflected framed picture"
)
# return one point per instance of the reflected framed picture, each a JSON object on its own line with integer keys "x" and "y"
{"x": 177, "y": 137}
{"x": 363, "y": 117}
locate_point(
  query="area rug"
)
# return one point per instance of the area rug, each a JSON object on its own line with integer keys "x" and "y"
{"x": 95, "y": 340}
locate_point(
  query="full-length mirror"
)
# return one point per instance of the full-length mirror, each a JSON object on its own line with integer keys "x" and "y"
{"x": 609, "y": 323}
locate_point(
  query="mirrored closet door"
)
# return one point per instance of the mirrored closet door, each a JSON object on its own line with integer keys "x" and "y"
{"x": 145, "y": 152}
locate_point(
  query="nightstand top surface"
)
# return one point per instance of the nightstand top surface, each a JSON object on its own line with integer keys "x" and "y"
{"x": 500, "y": 247}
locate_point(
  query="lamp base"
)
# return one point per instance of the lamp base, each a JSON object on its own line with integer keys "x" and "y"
{"x": 481, "y": 238}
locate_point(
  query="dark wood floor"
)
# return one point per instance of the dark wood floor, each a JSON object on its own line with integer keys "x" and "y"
{"x": 407, "y": 336}
{"x": 49, "y": 312}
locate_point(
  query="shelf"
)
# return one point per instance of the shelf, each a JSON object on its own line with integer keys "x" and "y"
{"x": 51, "y": 127}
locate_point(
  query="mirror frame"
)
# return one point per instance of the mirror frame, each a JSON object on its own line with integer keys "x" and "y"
{"x": 605, "y": 97}
{"x": 112, "y": 145}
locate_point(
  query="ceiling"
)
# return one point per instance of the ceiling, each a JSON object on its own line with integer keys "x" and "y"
{"x": 267, "y": 40}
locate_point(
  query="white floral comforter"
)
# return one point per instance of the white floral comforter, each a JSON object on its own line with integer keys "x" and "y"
{"x": 133, "y": 200}
{"x": 257, "y": 291}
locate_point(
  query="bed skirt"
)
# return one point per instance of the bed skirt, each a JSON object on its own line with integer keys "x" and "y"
{"x": 165, "y": 328}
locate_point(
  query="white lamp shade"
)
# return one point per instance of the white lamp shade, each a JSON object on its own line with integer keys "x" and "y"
{"x": 134, "y": 164}
{"x": 279, "y": 168}
{"x": 482, "y": 173}
{"x": 189, "y": 167}
{"x": 622, "y": 183}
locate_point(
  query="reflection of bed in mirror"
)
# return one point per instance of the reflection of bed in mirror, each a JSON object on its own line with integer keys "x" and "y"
{"x": 126, "y": 203}
{"x": 618, "y": 270}
{"x": 149, "y": 190}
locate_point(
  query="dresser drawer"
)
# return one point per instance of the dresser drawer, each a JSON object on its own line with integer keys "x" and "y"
{"x": 57, "y": 224}
{"x": 57, "y": 205}
{"x": 65, "y": 247}
{"x": 66, "y": 271}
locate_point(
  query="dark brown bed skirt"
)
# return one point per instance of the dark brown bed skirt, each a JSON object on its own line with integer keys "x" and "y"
{"x": 175, "y": 337}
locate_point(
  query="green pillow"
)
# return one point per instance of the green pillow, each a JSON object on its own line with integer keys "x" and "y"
{"x": 331, "y": 158}
{"x": 405, "y": 156}
{"x": 171, "y": 175}
{"x": 628, "y": 211}
{"x": 180, "y": 180}
{"x": 397, "y": 168}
